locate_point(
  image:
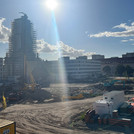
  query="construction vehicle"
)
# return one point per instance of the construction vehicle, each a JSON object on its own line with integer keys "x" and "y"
{"x": 32, "y": 83}
{"x": 108, "y": 84}
{"x": 80, "y": 96}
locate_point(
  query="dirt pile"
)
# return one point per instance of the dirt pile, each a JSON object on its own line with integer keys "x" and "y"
{"x": 27, "y": 96}
{"x": 36, "y": 96}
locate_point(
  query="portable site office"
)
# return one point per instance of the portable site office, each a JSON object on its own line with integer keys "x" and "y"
{"x": 111, "y": 101}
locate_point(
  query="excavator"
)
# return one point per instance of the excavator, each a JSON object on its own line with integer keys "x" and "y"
{"x": 32, "y": 83}
{"x": 76, "y": 97}
{"x": 108, "y": 84}
{"x": 33, "y": 86}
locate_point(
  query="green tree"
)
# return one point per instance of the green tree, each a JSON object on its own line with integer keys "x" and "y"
{"x": 107, "y": 70}
{"x": 129, "y": 71}
{"x": 120, "y": 70}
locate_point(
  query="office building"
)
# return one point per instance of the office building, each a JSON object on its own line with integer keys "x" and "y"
{"x": 79, "y": 69}
{"x": 98, "y": 57}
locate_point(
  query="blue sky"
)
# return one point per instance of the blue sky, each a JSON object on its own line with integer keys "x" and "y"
{"x": 84, "y": 26}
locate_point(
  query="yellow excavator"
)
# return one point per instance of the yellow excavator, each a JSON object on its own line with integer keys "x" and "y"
{"x": 32, "y": 84}
{"x": 79, "y": 96}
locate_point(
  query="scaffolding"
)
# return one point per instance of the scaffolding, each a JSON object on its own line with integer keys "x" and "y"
{"x": 22, "y": 41}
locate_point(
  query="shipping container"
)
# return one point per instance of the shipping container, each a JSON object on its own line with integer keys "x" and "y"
{"x": 7, "y": 127}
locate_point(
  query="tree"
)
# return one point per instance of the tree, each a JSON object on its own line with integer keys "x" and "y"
{"x": 107, "y": 70}
{"x": 129, "y": 71}
{"x": 120, "y": 70}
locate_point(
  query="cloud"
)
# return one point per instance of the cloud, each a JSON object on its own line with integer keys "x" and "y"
{"x": 66, "y": 50}
{"x": 124, "y": 40}
{"x": 86, "y": 32}
{"x": 43, "y": 46}
{"x": 127, "y": 40}
{"x": 127, "y": 32}
{"x": 131, "y": 39}
{"x": 123, "y": 26}
{"x": 72, "y": 52}
{"x": 4, "y": 32}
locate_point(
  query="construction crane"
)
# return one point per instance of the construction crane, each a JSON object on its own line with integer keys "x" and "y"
{"x": 23, "y": 14}
{"x": 32, "y": 84}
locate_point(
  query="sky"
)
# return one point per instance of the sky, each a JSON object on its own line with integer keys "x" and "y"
{"x": 81, "y": 27}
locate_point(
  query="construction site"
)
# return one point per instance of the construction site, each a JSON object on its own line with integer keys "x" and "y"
{"x": 32, "y": 104}
{"x": 86, "y": 109}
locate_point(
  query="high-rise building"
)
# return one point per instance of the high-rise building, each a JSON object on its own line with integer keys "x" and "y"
{"x": 1, "y": 68}
{"x": 21, "y": 48}
{"x": 22, "y": 39}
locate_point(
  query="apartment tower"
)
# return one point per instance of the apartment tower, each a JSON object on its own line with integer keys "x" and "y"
{"x": 22, "y": 42}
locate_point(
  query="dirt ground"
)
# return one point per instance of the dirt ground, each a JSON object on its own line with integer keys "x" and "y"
{"x": 54, "y": 117}
{"x": 51, "y": 118}
{"x": 46, "y": 118}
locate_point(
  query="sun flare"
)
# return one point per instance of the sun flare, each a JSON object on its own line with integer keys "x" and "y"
{"x": 51, "y": 4}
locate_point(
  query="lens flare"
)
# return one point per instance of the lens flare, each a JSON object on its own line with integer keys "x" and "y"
{"x": 61, "y": 67}
{"x": 51, "y": 4}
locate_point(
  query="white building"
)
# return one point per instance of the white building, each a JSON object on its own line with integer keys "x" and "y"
{"x": 111, "y": 101}
{"x": 98, "y": 57}
{"x": 80, "y": 68}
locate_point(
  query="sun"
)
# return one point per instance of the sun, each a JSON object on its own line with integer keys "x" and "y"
{"x": 51, "y": 4}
